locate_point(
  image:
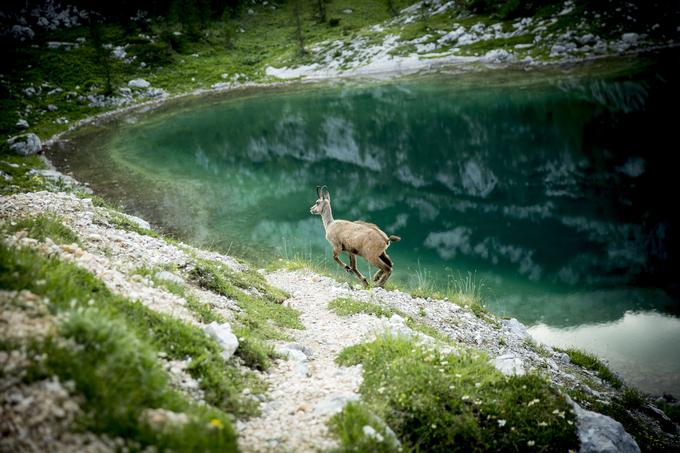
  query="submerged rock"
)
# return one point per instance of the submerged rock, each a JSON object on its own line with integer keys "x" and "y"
{"x": 25, "y": 144}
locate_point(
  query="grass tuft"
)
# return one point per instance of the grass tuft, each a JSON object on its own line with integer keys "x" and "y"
{"x": 261, "y": 318}
{"x": 591, "y": 362}
{"x": 69, "y": 287}
{"x": 42, "y": 227}
{"x": 457, "y": 402}
{"x": 345, "y": 306}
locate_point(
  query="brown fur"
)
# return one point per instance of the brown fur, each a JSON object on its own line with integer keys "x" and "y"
{"x": 356, "y": 238}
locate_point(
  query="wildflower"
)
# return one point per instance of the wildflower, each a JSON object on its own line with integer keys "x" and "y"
{"x": 216, "y": 423}
{"x": 433, "y": 426}
{"x": 452, "y": 387}
{"x": 501, "y": 423}
{"x": 542, "y": 424}
{"x": 478, "y": 384}
{"x": 465, "y": 397}
{"x": 458, "y": 375}
{"x": 531, "y": 443}
{"x": 445, "y": 362}
{"x": 533, "y": 401}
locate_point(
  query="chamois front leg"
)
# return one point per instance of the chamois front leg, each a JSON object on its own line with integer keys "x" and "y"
{"x": 336, "y": 257}
{"x": 353, "y": 265}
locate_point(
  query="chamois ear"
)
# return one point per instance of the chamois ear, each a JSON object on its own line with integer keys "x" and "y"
{"x": 318, "y": 191}
{"x": 325, "y": 193}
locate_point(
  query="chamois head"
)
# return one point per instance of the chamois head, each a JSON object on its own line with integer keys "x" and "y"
{"x": 323, "y": 201}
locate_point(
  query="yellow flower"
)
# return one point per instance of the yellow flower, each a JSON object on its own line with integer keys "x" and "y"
{"x": 216, "y": 423}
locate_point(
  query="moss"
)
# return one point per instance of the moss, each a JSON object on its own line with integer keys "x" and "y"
{"x": 458, "y": 402}
{"x": 591, "y": 362}
{"x": 42, "y": 227}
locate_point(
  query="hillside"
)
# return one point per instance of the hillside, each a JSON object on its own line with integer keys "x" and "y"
{"x": 115, "y": 336}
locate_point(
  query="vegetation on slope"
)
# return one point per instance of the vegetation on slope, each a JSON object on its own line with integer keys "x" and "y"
{"x": 434, "y": 401}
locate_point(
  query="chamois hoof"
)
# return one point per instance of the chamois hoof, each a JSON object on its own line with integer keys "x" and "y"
{"x": 348, "y": 269}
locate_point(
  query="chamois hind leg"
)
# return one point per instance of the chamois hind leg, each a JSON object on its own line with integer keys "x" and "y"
{"x": 353, "y": 266}
{"x": 377, "y": 275}
{"x": 384, "y": 268}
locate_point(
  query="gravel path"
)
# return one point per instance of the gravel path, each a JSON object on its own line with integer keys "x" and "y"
{"x": 309, "y": 388}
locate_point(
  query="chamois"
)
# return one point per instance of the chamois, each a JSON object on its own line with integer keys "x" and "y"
{"x": 355, "y": 238}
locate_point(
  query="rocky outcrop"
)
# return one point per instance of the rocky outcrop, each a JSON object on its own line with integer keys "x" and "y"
{"x": 25, "y": 144}
{"x": 602, "y": 434}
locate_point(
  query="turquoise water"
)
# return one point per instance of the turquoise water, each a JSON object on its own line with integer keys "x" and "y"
{"x": 551, "y": 187}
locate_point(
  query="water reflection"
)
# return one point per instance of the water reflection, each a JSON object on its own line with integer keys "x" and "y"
{"x": 551, "y": 189}
{"x": 640, "y": 346}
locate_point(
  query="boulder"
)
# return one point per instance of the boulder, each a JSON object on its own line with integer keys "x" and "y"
{"x": 509, "y": 365}
{"x": 139, "y": 83}
{"x": 496, "y": 56}
{"x": 515, "y": 327}
{"x": 603, "y": 434}
{"x": 224, "y": 336}
{"x": 25, "y": 144}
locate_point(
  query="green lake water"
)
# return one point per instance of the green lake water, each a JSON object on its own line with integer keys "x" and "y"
{"x": 553, "y": 187}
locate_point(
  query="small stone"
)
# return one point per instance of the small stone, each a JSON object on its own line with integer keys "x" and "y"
{"x": 139, "y": 83}
{"x": 169, "y": 277}
{"x": 23, "y": 124}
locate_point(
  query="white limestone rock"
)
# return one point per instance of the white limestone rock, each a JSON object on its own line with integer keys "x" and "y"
{"x": 169, "y": 277}
{"x": 224, "y": 336}
{"x": 599, "y": 433}
{"x": 25, "y": 144}
{"x": 139, "y": 83}
{"x": 509, "y": 365}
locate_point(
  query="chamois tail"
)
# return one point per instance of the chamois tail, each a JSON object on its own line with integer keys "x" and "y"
{"x": 394, "y": 238}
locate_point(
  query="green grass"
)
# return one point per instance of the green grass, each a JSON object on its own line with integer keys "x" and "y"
{"x": 43, "y": 226}
{"x": 111, "y": 357}
{"x": 17, "y": 167}
{"x": 482, "y": 47}
{"x": 591, "y": 362}
{"x": 261, "y": 318}
{"x": 349, "y": 425}
{"x": 345, "y": 306}
{"x": 123, "y": 222}
{"x": 455, "y": 402}
{"x": 69, "y": 287}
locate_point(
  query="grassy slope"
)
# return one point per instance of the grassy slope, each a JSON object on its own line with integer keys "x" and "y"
{"x": 266, "y": 39}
